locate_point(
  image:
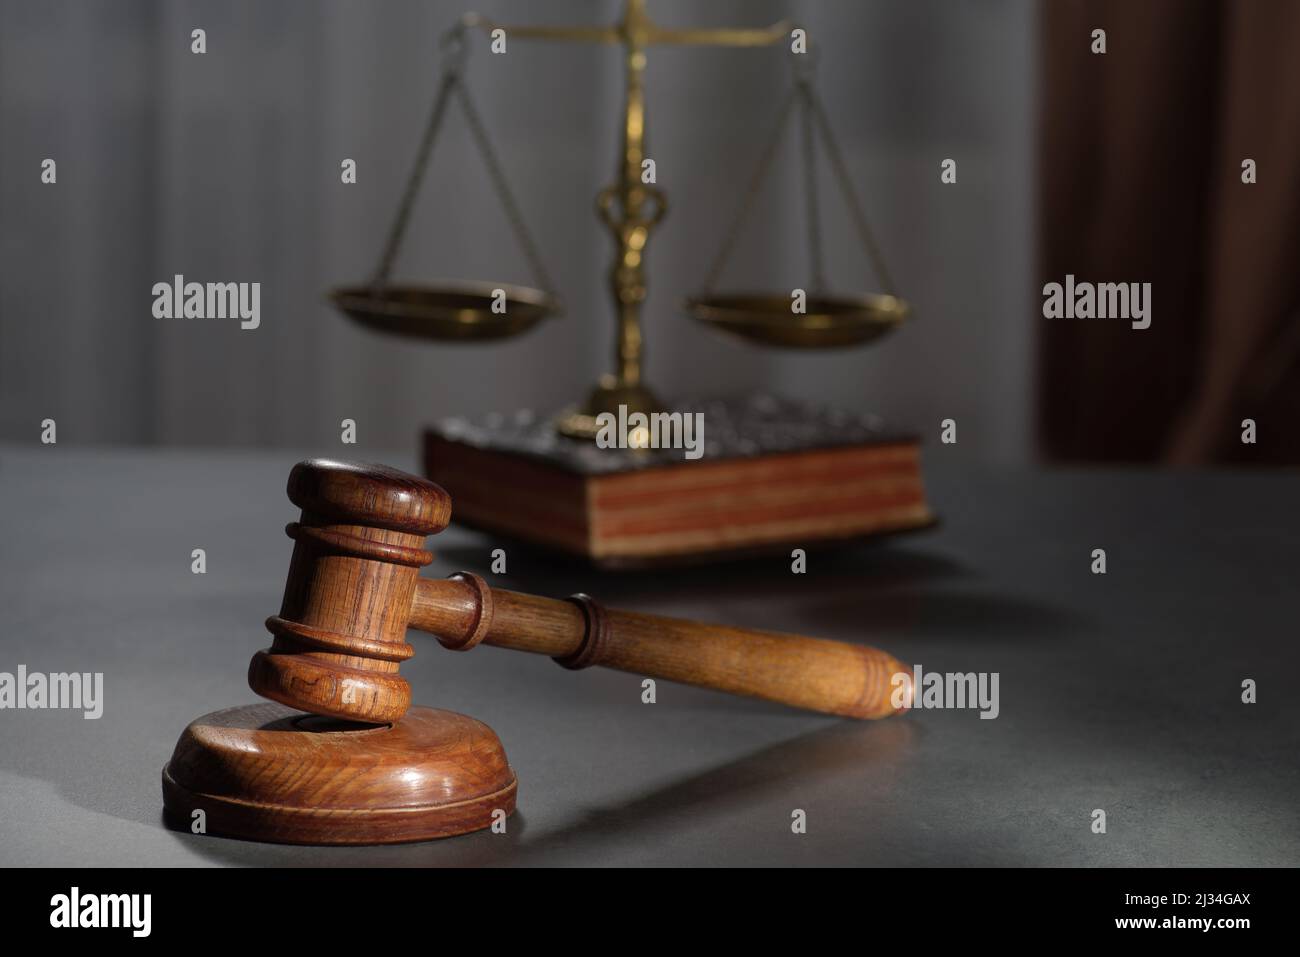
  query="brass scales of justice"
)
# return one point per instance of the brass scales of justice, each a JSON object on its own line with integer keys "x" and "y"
{"x": 630, "y": 209}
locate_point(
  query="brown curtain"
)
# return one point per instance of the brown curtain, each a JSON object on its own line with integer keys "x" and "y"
{"x": 1141, "y": 181}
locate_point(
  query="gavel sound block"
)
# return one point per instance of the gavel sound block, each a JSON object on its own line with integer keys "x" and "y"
{"x": 363, "y": 766}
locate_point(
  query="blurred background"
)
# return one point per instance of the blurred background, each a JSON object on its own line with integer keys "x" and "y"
{"x": 1123, "y": 167}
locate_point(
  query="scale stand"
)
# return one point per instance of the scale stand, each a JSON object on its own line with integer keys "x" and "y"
{"x": 630, "y": 209}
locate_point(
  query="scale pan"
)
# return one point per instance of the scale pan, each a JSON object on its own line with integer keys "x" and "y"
{"x": 461, "y": 311}
{"x": 830, "y": 322}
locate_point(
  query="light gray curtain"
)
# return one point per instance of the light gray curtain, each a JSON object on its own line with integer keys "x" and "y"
{"x": 225, "y": 167}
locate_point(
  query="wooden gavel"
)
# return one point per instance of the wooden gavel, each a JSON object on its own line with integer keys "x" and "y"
{"x": 354, "y": 589}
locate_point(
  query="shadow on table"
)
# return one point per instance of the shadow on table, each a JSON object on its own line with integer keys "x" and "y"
{"x": 803, "y": 761}
{"x": 859, "y": 593}
{"x": 868, "y": 567}
{"x": 966, "y": 617}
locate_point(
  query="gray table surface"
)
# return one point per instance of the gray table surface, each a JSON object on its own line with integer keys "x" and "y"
{"x": 1119, "y": 692}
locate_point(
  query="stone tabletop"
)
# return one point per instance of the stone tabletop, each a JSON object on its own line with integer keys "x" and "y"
{"x": 1119, "y": 692}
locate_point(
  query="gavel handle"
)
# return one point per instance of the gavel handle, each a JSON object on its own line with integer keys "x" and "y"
{"x": 828, "y": 676}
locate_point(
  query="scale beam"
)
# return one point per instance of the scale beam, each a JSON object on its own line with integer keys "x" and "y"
{"x": 650, "y": 33}
{"x": 630, "y": 208}
{"x": 609, "y": 34}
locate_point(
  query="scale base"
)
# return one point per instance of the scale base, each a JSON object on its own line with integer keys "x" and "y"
{"x": 607, "y": 396}
{"x": 265, "y": 772}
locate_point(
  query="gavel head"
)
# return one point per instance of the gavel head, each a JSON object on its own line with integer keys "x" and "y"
{"x": 340, "y": 636}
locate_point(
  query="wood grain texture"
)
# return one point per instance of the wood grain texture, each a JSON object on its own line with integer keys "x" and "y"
{"x": 267, "y": 773}
{"x": 828, "y": 676}
{"x": 340, "y": 636}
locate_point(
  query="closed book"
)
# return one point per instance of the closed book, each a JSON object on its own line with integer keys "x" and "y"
{"x": 768, "y": 475}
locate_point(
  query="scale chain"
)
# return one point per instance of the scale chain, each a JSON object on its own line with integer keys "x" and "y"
{"x": 398, "y": 229}
{"x": 855, "y": 208}
{"x": 810, "y": 187}
{"x": 507, "y": 198}
{"x": 813, "y": 118}
{"x": 732, "y": 235}
{"x": 452, "y": 83}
